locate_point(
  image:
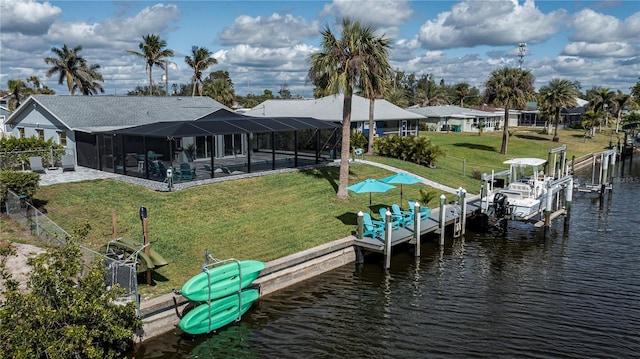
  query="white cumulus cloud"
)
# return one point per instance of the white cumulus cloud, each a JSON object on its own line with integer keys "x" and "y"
{"x": 268, "y": 31}
{"x": 376, "y": 13}
{"x": 494, "y": 23}
{"x": 27, "y": 16}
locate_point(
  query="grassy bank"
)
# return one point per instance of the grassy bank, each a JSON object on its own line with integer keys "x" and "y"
{"x": 268, "y": 217}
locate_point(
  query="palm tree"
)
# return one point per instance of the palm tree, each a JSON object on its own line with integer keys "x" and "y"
{"x": 621, "y": 100}
{"x": 18, "y": 90}
{"x": 462, "y": 91}
{"x": 153, "y": 51}
{"x": 73, "y": 68}
{"x": 510, "y": 88}
{"x": 557, "y": 94}
{"x": 340, "y": 65}
{"x": 219, "y": 89}
{"x": 602, "y": 100}
{"x": 200, "y": 61}
{"x": 374, "y": 82}
{"x": 398, "y": 97}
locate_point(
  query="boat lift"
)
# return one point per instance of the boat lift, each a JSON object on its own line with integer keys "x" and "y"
{"x": 606, "y": 169}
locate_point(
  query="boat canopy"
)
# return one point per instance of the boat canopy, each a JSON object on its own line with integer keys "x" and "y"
{"x": 523, "y": 162}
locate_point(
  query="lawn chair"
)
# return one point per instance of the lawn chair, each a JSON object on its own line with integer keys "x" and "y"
{"x": 425, "y": 212}
{"x": 372, "y": 228}
{"x": 68, "y": 163}
{"x": 406, "y": 217}
{"x": 395, "y": 221}
{"x": 186, "y": 172}
{"x": 35, "y": 163}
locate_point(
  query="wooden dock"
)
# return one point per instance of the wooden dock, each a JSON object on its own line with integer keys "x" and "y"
{"x": 429, "y": 225}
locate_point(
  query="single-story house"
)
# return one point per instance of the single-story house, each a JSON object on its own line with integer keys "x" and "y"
{"x": 126, "y": 134}
{"x": 388, "y": 118}
{"x": 458, "y": 119}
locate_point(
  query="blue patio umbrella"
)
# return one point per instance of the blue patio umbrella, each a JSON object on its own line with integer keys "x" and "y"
{"x": 401, "y": 178}
{"x": 370, "y": 185}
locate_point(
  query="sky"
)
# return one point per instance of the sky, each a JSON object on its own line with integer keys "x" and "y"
{"x": 265, "y": 44}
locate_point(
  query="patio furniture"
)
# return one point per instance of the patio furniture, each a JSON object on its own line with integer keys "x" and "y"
{"x": 395, "y": 221}
{"x": 35, "y": 163}
{"x": 186, "y": 172}
{"x": 372, "y": 228}
{"x": 425, "y": 212}
{"x": 68, "y": 163}
{"x": 406, "y": 217}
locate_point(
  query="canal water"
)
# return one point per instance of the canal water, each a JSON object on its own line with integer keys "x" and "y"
{"x": 575, "y": 294}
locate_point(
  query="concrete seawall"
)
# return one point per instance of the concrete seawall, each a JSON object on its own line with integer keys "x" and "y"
{"x": 162, "y": 314}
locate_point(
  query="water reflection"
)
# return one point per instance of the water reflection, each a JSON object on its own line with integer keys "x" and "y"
{"x": 574, "y": 294}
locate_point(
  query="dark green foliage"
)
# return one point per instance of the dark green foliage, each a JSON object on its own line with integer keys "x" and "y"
{"x": 61, "y": 314}
{"x": 358, "y": 140}
{"x": 14, "y": 151}
{"x": 26, "y": 183}
{"x": 414, "y": 149}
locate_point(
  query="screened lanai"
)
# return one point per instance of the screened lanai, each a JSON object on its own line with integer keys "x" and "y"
{"x": 220, "y": 144}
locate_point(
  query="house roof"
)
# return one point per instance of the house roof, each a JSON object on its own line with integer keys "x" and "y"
{"x": 223, "y": 122}
{"x": 102, "y": 113}
{"x": 451, "y": 111}
{"x": 329, "y": 108}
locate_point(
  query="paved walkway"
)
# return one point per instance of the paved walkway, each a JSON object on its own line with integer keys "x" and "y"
{"x": 397, "y": 170}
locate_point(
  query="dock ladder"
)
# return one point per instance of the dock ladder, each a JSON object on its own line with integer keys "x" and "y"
{"x": 211, "y": 262}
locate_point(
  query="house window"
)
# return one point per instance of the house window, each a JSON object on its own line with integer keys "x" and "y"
{"x": 62, "y": 138}
{"x": 21, "y": 131}
{"x": 40, "y": 133}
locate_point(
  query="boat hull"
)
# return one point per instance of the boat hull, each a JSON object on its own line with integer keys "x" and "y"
{"x": 221, "y": 281}
{"x": 216, "y": 314}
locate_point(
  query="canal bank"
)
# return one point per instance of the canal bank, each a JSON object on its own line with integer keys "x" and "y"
{"x": 162, "y": 314}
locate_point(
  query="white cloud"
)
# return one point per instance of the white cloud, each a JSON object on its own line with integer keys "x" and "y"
{"x": 376, "y": 13}
{"x": 594, "y": 27}
{"x": 27, "y": 16}
{"x": 283, "y": 58}
{"x": 273, "y": 31}
{"x": 607, "y": 49}
{"x": 494, "y": 23}
{"x": 599, "y": 35}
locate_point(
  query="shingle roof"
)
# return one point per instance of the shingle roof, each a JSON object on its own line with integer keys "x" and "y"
{"x": 329, "y": 108}
{"x": 91, "y": 113}
{"x": 451, "y": 111}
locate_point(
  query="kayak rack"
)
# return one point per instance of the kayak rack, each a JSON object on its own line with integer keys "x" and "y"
{"x": 211, "y": 262}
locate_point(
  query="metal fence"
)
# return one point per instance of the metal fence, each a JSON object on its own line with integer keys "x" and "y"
{"x": 119, "y": 271}
{"x": 19, "y": 160}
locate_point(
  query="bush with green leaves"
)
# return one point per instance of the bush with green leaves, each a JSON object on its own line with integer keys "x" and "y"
{"x": 419, "y": 150}
{"x": 26, "y": 183}
{"x": 359, "y": 140}
{"x": 61, "y": 314}
{"x": 14, "y": 151}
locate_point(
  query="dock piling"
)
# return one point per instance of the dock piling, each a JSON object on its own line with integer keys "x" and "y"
{"x": 442, "y": 218}
{"x": 387, "y": 240}
{"x": 360, "y": 225}
{"x": 416, "y": 227}
{"x": 463, "y": 212}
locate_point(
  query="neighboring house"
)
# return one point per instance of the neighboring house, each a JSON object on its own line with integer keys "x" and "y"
{"x": 388, "y": 118}
{"x": 458, "y": 119}
{"x": 4, "y": 113}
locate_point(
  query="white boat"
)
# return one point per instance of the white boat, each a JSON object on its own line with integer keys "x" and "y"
{"x": 525, "y": 194}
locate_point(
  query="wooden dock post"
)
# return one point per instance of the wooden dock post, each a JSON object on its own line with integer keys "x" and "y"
{"x": 604, "y": 163}
{"x": 416, "y": 227}
{"x": 360, "y": 225}
{"x": 442, "y": 218}
{"x": 547, "y": 210}
{"x": 147, "y": 249}
{"x": 612, "y": 170}
{"x": 387, "y": 240}
{"x": 463, "y": 211}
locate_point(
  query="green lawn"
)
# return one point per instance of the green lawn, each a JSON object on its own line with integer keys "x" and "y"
{"x": 268, "y": 217}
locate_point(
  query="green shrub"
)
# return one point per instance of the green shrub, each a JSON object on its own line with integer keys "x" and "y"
{"x": 15, "y": 151}
{"x": 418, "y": 150}
{"x": 26, "y": 183}
{"x": 359, "y": 140}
